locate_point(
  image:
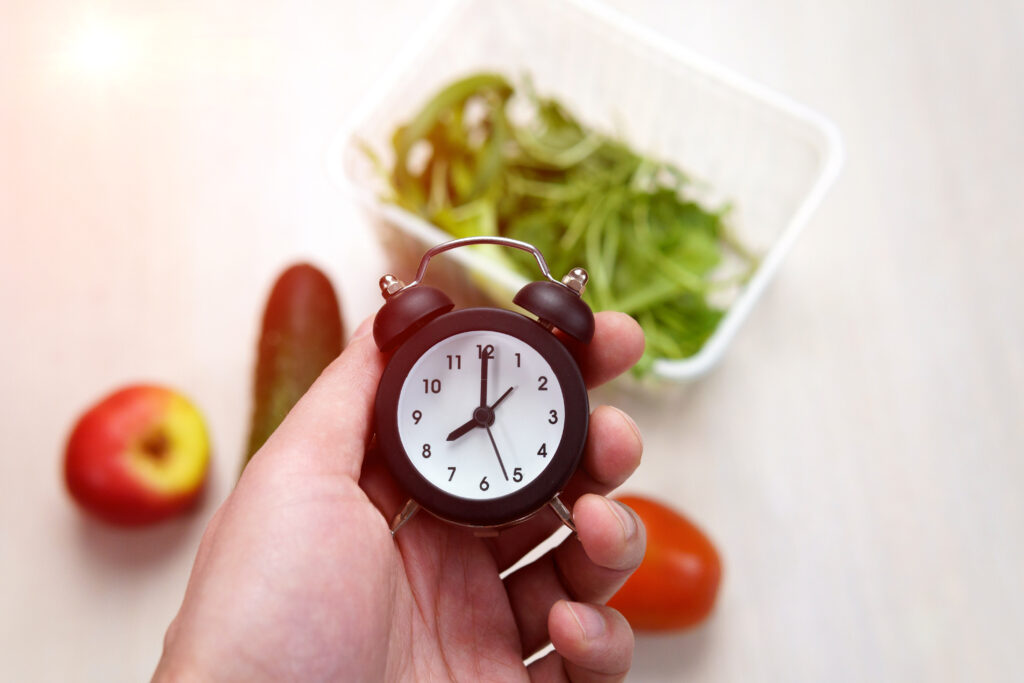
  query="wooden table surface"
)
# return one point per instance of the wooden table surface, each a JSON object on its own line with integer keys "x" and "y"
{"x": 858, "y": 456}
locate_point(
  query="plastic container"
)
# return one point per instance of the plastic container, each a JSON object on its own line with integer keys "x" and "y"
{"x": 771, "y": 157}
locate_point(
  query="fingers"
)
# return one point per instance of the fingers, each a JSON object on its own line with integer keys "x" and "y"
{"x": 329, "y": 427}
{"x": 617, "y": 345}
{"x": 592, "y": 643}
{"x": 610, "y": 546}
{"x": 612, "y": 453}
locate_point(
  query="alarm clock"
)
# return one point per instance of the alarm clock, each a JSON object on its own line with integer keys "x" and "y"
{"x": 481, "y": 414}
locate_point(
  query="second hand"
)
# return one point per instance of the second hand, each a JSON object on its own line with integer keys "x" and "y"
{"x": 497, "y": 453}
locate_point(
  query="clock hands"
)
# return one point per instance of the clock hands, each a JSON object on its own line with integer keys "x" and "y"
{"x": 497, "y": 453}
{"x": 483, "y": 416}
{"x": 487, "y": 415}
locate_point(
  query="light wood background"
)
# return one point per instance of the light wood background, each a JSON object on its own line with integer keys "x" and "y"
{"x": 858, "y": 457}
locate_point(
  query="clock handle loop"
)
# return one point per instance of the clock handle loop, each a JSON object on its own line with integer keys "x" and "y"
{"x": 470, "y": 241}
{"x": 556, "y": 303}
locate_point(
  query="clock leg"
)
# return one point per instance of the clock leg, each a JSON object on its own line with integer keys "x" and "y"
{"x": 564, "y": 515}
{"x": 410, "y": 509}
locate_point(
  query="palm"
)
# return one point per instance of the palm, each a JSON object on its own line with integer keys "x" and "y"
{"x": 431, "y": 606}
{"x": 453, "y": 620}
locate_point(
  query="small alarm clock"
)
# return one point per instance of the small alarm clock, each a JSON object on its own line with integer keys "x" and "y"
{"x": 481, "y": 414}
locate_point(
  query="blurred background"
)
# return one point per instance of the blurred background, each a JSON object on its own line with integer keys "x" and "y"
{"x": 856, "y": 456}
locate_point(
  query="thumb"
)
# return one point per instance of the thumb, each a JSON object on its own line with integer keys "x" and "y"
{"x": 329, "y": 428}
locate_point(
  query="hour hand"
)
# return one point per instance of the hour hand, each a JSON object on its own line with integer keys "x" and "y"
{"x": 463, "y": 429}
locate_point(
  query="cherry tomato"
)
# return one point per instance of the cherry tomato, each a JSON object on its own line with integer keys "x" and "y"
{"x": 677, "y": 582}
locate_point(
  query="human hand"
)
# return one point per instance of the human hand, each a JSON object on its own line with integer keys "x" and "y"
{"x": 297, "y": 576}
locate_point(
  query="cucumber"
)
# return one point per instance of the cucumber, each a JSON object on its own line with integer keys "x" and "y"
{"x": 302, "y": 333}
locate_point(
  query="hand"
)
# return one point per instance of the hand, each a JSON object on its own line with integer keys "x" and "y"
{"x": 472, "y": 423}
{"x": 298, "y": 577}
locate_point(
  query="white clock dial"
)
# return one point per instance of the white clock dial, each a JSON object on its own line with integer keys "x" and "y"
{"x": 441, "y": 393}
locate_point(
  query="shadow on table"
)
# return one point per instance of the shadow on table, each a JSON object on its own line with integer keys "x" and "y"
{"x": 121, "y": 549}
{"x": 130, "y": 549}
{"x": 673, "y": 656}
{"x": 139, "y": 548}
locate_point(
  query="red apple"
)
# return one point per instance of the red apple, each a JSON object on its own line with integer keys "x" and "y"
{"x": 138, "y": 456}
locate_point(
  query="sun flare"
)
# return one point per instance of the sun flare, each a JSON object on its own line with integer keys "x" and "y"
{"x": 101, "y": 49}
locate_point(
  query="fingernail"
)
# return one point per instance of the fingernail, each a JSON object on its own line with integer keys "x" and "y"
{"x": 625, "y": 517}
{"x": 632, "y": 425}
{"x": 364, "y": 329}
{"x": 590, "y": 621}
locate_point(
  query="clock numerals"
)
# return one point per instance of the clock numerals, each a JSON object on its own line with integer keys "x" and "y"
{"x": 488, "y": 458}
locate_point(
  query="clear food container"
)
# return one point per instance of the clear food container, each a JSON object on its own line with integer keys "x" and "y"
{"x": 770, "y": 157}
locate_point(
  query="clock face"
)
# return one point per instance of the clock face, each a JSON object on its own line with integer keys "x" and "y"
{"x": 481, "y": 415}
{"x": 490, "y": 459}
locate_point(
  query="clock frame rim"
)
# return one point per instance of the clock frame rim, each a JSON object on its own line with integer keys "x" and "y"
{"x": 565, "y": 460}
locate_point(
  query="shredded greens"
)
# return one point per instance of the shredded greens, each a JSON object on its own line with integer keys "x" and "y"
{"x": 483, "y": 158}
